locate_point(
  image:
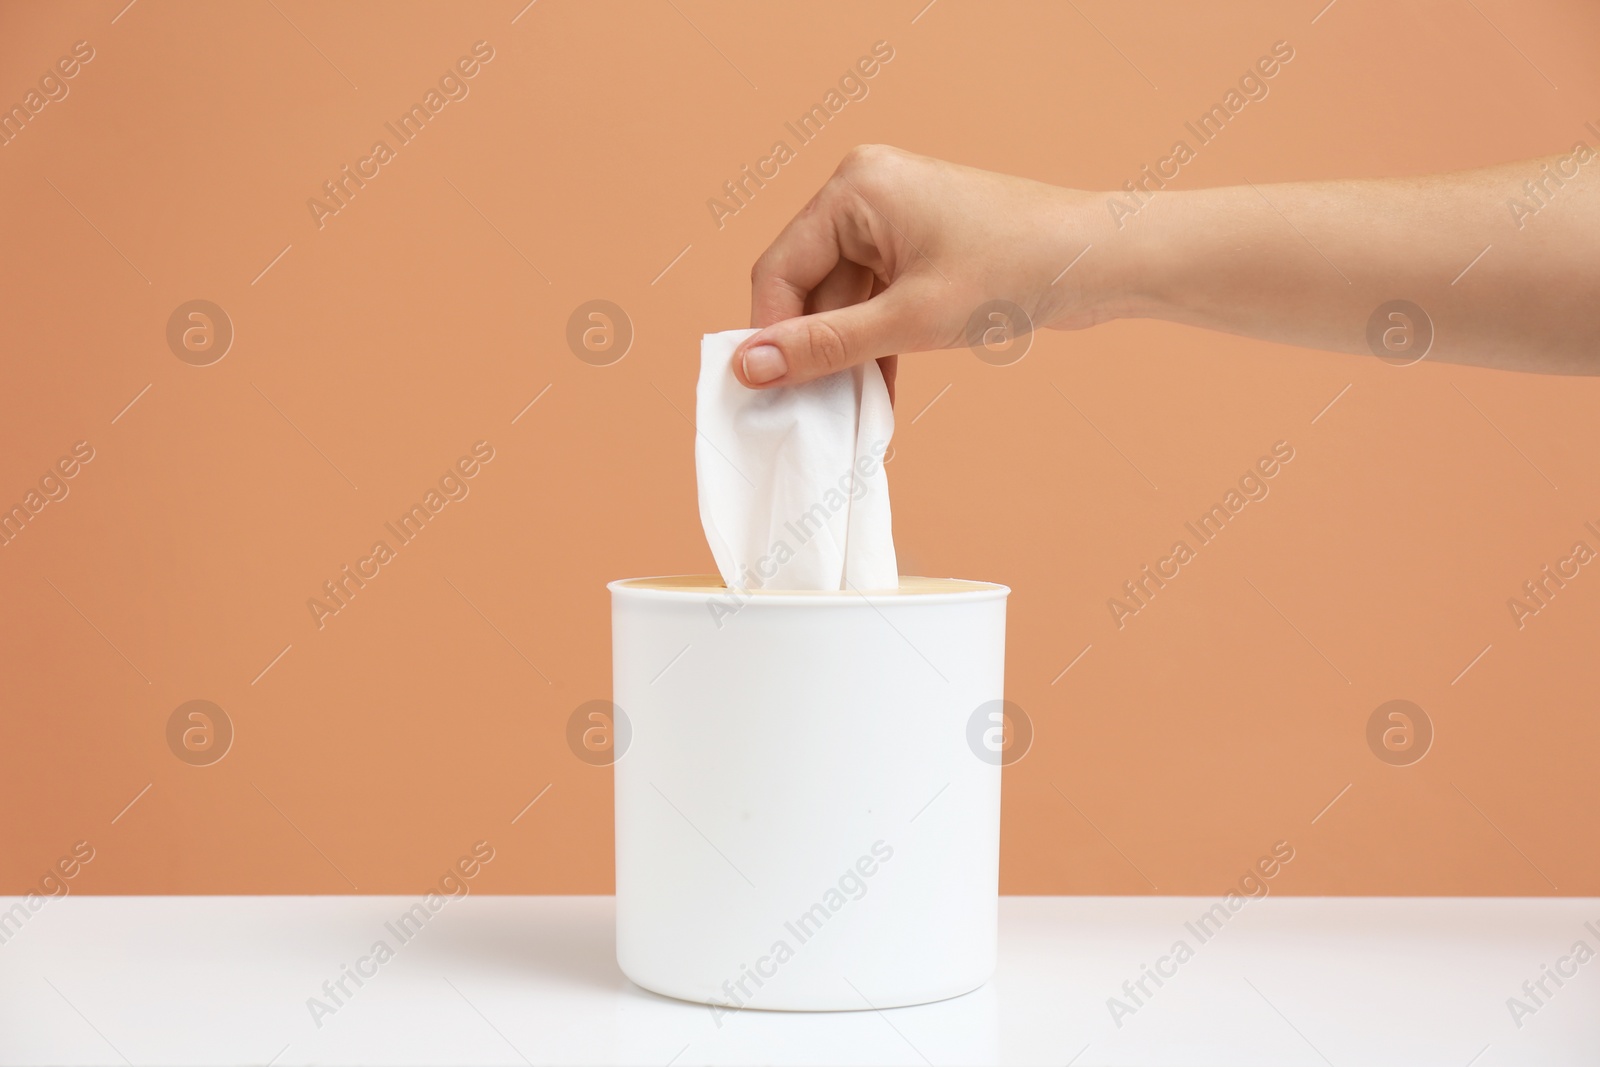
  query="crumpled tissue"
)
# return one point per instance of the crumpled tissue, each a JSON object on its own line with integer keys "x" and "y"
{"x": 793, "y": 494}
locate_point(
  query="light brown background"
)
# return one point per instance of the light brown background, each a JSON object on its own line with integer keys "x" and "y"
{"x": 408, "y": 328}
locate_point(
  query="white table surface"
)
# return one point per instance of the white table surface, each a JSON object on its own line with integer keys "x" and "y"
{"x": 513, "y": 980}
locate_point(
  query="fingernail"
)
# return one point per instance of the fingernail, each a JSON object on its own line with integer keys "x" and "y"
{"x": 764, "y": 363}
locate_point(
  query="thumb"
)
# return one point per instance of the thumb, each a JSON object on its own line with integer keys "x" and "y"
{"x": 810, "y": 346}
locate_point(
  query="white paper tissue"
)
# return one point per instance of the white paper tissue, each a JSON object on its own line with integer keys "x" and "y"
{"x": 793, "y": 494}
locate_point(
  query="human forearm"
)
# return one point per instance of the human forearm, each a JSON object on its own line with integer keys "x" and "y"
{"x": 1310, "y": 263}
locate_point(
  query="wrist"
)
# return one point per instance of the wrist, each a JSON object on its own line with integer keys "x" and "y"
{"x": 1107, "y": 261}
{"x": 1139, "y": 254}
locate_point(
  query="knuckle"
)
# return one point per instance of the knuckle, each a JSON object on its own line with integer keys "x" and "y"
{"x": 827, "y": 346}
{"x": 766, "y": 271}
{"x": 856, "y": 156}
{"x": 870, "y": 169}
{"x": 866, "y": 156}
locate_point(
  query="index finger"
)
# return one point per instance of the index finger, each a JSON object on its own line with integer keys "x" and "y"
{"x": 799, "y": 258}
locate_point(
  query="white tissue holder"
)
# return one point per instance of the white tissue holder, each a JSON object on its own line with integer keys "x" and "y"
{"x": 802, "y": 822}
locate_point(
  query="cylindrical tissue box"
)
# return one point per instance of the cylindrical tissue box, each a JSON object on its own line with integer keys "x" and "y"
{"x": 807, "y": 796}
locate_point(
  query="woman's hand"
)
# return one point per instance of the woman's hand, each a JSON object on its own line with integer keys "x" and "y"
{"x": 895, "y": 254}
